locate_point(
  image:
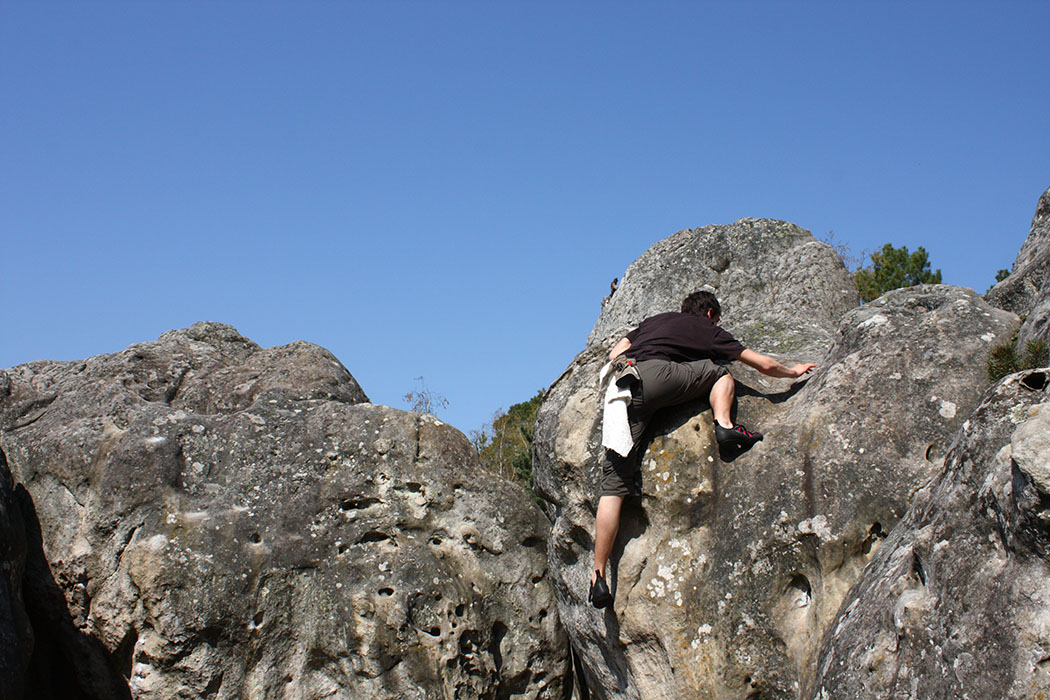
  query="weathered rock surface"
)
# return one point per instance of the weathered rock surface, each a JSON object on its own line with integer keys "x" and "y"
{"x": 221, "y": 520}
{"x": 732, "y": 567}
{"x": 956, "y": 602}
{"x": 1026, "y": 291}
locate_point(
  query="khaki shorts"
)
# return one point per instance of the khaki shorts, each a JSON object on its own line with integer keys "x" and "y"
{"x": 663, "y": 383}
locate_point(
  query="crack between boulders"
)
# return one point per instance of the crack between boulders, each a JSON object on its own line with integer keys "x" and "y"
{"x": 419, "y": 439}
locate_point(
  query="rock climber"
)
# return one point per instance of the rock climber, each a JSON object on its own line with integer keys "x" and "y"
{"x": 669, "y": 359}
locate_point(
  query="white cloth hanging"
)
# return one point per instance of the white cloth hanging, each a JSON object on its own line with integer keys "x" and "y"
{"x": 616, "y": 430}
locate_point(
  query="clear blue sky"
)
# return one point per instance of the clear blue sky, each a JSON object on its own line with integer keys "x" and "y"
{"x": 446, "y": 189}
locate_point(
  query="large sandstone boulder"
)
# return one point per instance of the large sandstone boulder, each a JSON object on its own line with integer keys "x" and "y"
{"x": 1026, "y": 291}
{"x": 729, "y": 571}
{"x": 788, "y": 291}
{"x": 956, "y": 603}
{"x": 221, "y": 520}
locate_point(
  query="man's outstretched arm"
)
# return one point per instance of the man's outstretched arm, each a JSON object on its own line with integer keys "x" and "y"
{"x": 768, "y": 366}
{"x": 619, "y": 349}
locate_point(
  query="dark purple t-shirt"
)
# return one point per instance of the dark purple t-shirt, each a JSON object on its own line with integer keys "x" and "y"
{"x": 682, "y": 338}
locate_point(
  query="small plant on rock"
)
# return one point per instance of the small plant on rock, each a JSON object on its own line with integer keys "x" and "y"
{"x": 1003, "y": 359}
{"x": 423, "y": 400}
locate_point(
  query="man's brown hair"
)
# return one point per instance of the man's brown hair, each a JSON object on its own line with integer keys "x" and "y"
{"x": 700, "y": 302}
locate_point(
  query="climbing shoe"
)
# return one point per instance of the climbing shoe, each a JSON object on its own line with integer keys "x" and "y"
{"x": 599, "y": 597}
{"x": 625, "y": 371}
{"x": 737, "y": 436}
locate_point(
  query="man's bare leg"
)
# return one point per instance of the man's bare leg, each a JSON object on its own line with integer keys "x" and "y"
{"x": 722, "y": 394}
{"x": 606, "y": 525}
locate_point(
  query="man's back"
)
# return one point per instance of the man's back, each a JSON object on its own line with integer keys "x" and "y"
{"x": 681, "y": 337}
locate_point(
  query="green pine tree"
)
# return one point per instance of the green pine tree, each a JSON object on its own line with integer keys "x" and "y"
{"x": 892, "y": 268}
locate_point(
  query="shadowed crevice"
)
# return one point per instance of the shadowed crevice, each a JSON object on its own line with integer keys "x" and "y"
{"x": 66, "y": 664}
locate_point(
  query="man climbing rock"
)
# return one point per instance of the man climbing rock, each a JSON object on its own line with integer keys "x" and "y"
{"x": 669, "y": 359}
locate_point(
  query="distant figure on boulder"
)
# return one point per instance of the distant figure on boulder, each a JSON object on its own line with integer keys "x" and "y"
{"x": 671, "y": 358}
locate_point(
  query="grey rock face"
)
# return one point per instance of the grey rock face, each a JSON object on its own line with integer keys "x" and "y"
{"x": 730, "y": 570}
{"x": 228, "y": 521}
{"x": 1026, "y": 291}
{"x": 956, "y": 603}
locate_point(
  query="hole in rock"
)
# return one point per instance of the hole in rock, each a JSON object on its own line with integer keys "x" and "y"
{"x": 213, "y": 685}
{"x": 875, "y": 534}
{"x": 256, "y": 538}
{"x": 358, "y": 503}
{"x": 499, "y": 631}
{"x": 211, "y": 636}
{"x": 929, "y": 453}
{"x": 460, "y": 609}
{"x": 258, "y": 619}
{"x": 531, "y": 542}
{"x": 373, "y": 536}
{"x": 386, "y": 592}
{"x": 341, "y": 549}
{"x": 434, "y": 631}
{"x": 799, "y": 590}
{"x": 413, "y": 486}
{"x": 467, "y": 643}
{"x": 1035, "y": 381}
{"x": 917, "y": 568}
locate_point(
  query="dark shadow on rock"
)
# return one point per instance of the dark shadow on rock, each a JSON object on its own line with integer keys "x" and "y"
{"x": 16, "y": 633}
{"x": 777, "y": 397}
{"x": 582, "y": 686}
{"x": 704, "y": 506}
{"x": 66, "y": 664}
{"x": 633, "y": 523}
{"x": 614, "y": 653}
{"x": 729, "y": 453}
